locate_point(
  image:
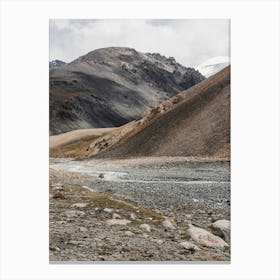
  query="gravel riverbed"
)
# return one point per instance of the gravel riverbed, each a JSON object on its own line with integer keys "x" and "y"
{"x": 182, "y": 191}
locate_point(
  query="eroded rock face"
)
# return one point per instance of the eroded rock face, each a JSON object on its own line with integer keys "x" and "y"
{"x": 205, "y": 238}
{"x": 97, "y": 89}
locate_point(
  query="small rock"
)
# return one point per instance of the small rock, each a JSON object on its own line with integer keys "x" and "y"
{"x": 195, "y": 200}
{"x": 73, "y": 242}
{"x": 188, "y": 216}
{"x": 189, "y": 246}
{"x": 101, "y": 175}
{"x": 117, "y": 222}
{"x": 55, "y": 248}
{"x": 222, "y": 228}
{"x": 159, "y": 241}
{"x": 145, "y": 235}
{"x": 108, "y": 210}
{"x": 129, "y": 233}
{"x": 205, "y": 238}
{"x": 74, "y": 213}
{"x": 57, "y": 188}
{"x": 168, "y": 225}
{"x": 58, "y": 195}
{"x": 116, "y": 216}
{"x": 145, "y": 227}
{"x": 96, "y": 208}
{"x": 78, "y": 205}
{"x": 133, "y": 216}
{"x": 83, "y": 229}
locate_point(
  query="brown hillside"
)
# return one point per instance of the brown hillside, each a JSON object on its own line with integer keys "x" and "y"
{"x": 195, "y": 122}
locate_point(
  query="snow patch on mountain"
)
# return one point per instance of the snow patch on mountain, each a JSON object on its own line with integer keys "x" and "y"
{"x": 213, "y": 65}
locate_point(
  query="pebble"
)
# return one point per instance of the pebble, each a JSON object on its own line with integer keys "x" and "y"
{"x": 129, "y": 233}
{"x": 74, "y": 213}
{"x": 57, "y": 188}
{"x": 145, "y": 227}
{"x": 73, "y": 242}
{"x": 205, "y": 238}
{"x": 83, "y": 229}
{"x": 168, "y": 225}
{"x": 78, "y": 205}
{"x": 133, "y": 216}
{"x": 189, "y": 246}
{"x": 116, "y": 216}
{"x": 108, "y": 210}
{"x": 117, "y": 222}
{"x": 58, "y": 195}
{"x": 159, "y": 241}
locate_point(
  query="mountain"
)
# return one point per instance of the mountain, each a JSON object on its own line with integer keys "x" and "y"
{"x": 112, "y": 86}
{"x": 213, "y": 65}
{"x": 56, "y": 63}
{"x": 196, "y": 122}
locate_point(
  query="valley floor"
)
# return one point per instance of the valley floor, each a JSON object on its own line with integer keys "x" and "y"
{"x": 113, "y": 210}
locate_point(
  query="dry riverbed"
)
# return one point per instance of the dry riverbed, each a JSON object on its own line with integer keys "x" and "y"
{"x": 139, "y": 210}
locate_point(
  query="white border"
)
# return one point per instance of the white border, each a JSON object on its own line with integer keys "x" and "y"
{"x": 255, "y": 138}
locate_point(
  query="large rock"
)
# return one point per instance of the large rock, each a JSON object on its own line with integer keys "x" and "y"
{"x": 205, "y": 238}
{"x": 222, "y": 228}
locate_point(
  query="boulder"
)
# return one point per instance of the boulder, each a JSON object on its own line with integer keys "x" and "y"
{"x": 222, "y": 228}
{"x": 205, "y": 238}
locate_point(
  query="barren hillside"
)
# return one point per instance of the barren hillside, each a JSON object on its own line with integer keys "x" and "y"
{"x": 198, "y": 125}
{"x": 195, "y": 122}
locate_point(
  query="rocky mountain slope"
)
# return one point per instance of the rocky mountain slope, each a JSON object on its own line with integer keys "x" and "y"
{"x": 213, "y": 65}
{"x": 112, "y": 86}
{"x": 195, "y": 122}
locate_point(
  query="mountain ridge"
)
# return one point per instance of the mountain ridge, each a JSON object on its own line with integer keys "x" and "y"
{"x": 109, "y": 87}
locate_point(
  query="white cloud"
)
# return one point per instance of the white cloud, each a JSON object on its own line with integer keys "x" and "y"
{"x": 190, "y": 41}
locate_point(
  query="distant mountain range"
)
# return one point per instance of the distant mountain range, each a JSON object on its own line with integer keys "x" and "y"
{"x": 213, "y": 65}
{"x": 112, "y": 86}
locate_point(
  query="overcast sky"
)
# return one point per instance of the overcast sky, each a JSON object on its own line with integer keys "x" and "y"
{"x": 190, "y": 42}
